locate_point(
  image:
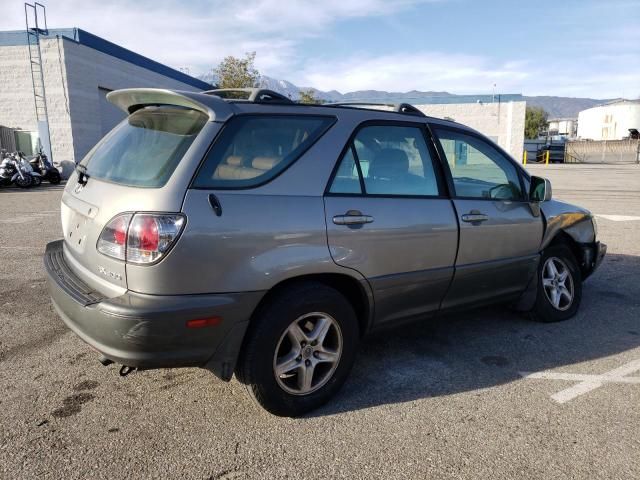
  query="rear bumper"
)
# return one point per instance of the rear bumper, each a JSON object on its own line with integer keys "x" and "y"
{"x": 149, "y": 331}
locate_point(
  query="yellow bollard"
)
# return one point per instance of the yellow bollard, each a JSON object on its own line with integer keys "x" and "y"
{"x": 524, "y": 158}
{"x": 546, "y": 158}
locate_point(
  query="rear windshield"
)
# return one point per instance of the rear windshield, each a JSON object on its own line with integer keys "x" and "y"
{"x": 144, "y": 149}
{"x": 253, "y": 149}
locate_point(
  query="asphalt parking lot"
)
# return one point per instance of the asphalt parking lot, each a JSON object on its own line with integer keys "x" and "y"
{"x": 488, "y": 394}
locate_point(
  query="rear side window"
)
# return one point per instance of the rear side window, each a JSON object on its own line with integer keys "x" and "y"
{"x": 145, "y": 148}
{"x": 253, "y": 149}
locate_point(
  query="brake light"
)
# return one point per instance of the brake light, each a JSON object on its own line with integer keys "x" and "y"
{"x": 142, "y": 238}
{"x": 151, "y": 235}
{"x": 144, "y": 234}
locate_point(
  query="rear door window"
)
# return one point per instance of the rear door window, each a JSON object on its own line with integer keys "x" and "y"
{"x": 145, "y": 148}
{"x": 253, "y": 149}
{"x": 392, "y": 160}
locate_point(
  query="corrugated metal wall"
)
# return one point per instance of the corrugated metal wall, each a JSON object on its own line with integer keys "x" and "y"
{"x": 7, "y": 139}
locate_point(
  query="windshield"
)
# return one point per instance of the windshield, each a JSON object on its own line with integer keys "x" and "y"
{"x": 144, "y": 149}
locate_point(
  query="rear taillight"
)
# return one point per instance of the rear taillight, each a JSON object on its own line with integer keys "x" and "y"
{"x": 151, "y": 235}
{"x": 142, "y": 238}
{"x": 113, "y": 239}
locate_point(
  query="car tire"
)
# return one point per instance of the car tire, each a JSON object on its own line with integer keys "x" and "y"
{"x": 275, "y": 343}
{"x": 559, "y": 285}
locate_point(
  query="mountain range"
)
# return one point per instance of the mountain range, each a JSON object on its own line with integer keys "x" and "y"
{"x": 556, "y": 107}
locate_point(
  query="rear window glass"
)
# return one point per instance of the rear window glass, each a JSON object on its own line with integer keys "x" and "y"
{"x": 144, "y": 149}
{"x": 252, "y": 150}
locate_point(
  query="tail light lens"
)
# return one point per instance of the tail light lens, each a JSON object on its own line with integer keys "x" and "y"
{"x": 150, "y": 236}
{"x": 142, "y": 238}
{"x": 113, "y": 239}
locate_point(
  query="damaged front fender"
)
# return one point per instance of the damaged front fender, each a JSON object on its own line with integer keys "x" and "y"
{"x": 575, "y": 221}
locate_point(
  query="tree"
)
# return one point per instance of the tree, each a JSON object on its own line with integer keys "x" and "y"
{"x": 309, "y": 96}
{"x": 235, "y": 72}
{"x": 535, "y": 120}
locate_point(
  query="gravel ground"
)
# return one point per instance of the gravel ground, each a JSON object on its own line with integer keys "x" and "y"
{"x": 441, "y": 399}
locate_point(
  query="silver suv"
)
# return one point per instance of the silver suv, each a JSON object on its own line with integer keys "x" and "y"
{"x": 244, "y": 233}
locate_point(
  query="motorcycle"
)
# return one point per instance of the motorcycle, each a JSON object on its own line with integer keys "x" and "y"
{"x": 11, "y": 171}
{"x": 41, "y": 164}
{"x": 25, "y": 166}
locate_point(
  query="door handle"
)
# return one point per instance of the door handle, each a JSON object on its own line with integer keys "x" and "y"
{"x": 475, "y": 217}
{"x": 215, "y": 204}
{"x": 352, "y": 217}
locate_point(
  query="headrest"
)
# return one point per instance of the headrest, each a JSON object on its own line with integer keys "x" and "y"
{"x": 265, "y": 163}
{"x": 230, "y": 172}
{"x": 234, "y": 160}
{"x": 389, "y": 162}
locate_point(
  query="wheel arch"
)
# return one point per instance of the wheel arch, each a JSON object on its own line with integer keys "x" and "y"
{"x": 356, "y": 291}
{"x": 577, "y": 247}
{"x": 561, "y": 237}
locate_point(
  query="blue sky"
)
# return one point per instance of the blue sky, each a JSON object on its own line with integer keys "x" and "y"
{"x": 545, "y": 47}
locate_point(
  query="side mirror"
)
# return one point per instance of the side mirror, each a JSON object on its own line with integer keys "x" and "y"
{"x": 540, "y": 190}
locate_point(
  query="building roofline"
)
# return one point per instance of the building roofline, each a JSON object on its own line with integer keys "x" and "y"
{"x": 82, "y": 37}
{"x": 621, "y": 101}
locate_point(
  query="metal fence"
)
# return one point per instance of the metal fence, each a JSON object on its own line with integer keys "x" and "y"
{"x": 605, "y": 151}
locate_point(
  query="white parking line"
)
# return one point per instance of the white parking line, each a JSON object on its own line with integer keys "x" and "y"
{"x": 587, "y": 383}
{"x": 618, "y": 218}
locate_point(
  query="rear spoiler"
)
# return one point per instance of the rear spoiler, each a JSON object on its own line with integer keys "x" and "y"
{"x": 132, "y": 99}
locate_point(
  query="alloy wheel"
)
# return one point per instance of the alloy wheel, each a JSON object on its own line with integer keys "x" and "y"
{"x": 308, "y": 353}
{"x": 557, "y": 283}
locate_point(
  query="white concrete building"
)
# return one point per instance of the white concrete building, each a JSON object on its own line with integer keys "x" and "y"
{"x": 609, "y": 122}
{"x": 79, "y": 70}
{"x": 562, "y": 127}
{"x": 503, "y": 122}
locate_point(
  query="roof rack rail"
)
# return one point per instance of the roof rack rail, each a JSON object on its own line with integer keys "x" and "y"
{"x": 405, "y": 108}
{"x": 253, "y": 95}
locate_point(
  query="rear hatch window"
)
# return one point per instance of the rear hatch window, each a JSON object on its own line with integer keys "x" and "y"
{"x": 144, "y": 150}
